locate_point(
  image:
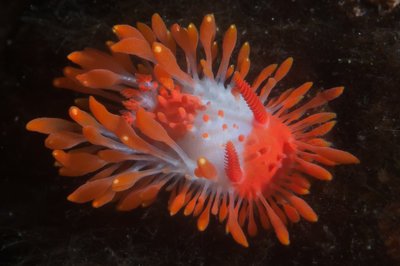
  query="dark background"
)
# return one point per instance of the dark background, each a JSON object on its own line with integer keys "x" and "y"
{"x": 350, "y": 43}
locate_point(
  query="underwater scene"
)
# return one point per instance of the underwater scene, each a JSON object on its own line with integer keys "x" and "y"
{"x": 200, "y": 133}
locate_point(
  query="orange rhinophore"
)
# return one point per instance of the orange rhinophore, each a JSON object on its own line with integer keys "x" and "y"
{"x": 232, "y": 164}
{"x": 221, "y": 146}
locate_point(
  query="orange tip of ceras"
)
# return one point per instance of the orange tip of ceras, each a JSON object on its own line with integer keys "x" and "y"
{"x": 157, "y": 48}
{"x": 243, "y": 242}
{"x": 74, "y": 56}
{"x": 177, "y": 204}
{"x": 31, "y": 125}
{"x": 70, "y": 198}
{"x": 285, "y": 241}
{"x": 239, "y": 238}
{"x": 340, "y": 90}
{"x": 73, "y": 111}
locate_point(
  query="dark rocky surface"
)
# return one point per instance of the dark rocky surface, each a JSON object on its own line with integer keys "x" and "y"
{"x": 350, "y": 43}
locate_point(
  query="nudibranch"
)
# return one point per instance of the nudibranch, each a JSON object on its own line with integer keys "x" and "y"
{"x": 220, "y": 145}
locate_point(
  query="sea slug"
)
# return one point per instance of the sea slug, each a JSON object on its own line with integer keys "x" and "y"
{"x": 196, "y": 128}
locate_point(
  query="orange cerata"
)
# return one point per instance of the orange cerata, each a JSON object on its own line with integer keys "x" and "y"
{"x": 196, "y": 128}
